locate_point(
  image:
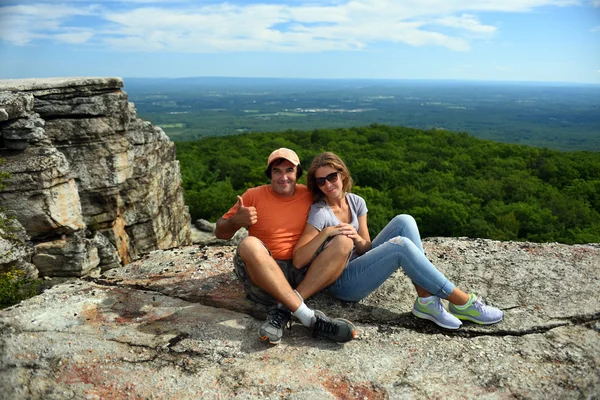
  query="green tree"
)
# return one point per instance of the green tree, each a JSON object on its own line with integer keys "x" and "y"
{"x": 454, "y": 184}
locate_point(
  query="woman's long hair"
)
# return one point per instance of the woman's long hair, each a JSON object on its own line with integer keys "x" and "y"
{"x": 327, "y": 159}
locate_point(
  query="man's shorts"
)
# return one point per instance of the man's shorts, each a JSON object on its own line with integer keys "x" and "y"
{"x": 292, "y": 274}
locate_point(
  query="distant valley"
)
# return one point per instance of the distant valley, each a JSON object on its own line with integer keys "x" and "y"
{"x": 557, "y": 116}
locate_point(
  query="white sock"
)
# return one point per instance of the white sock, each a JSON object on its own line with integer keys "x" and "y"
{"x": 424, "y": 300}
{"x": 304, "y": 314}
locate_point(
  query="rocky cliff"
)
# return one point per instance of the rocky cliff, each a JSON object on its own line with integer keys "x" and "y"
{"x": 93, "y": 185}
{"x": 175, "y": 325}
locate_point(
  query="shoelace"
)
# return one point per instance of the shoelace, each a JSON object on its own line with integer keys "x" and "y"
{"x": 439, "y": 306}
{"x": 324, "y": 327}
{"x": 278, "y": 319}
{"x": 479, "y": 305}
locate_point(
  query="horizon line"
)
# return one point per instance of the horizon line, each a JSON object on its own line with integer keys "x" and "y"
{"x": 361, "y": 79}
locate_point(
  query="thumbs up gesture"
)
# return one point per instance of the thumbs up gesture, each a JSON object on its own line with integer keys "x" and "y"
{"x": 245, "y": 216}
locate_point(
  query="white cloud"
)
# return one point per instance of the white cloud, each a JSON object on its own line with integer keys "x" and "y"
{"x": 209, "y": 26}
{"x": 595, "y": 29}
{"x": 74, "y": 37}
{"x": 467, "y": 22}
{"x": 278, "y": 27}
{"x": 22, "y": 24}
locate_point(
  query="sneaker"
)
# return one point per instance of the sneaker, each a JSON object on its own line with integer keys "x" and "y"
{"x": 337, "y": 329}
{"x": 476, "y": 311}
{"x": 435, "y": 311}
{"x": 272, "y": 330}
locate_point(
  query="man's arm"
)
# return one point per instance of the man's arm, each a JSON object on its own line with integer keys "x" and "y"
{"x": 226, "y": 228}
{"x": 244, "y": 216}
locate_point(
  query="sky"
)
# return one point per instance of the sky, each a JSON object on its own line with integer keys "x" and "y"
{"x": 483, "y": 40}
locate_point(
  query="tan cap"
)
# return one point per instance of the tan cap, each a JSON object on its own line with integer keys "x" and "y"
{"x": 287, "y": 154}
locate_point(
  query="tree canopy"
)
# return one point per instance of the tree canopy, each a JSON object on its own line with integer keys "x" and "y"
{"x": 452, "y": 183}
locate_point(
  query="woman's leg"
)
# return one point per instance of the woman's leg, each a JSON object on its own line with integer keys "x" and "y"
{"x": 399, "y": 245}
{"x": 401, "y": 225}
{"x": 406, "y": 226}
{"x": 366, "y": 273}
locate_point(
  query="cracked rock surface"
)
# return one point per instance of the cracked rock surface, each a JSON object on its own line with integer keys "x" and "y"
{"x": 175, "y": 325}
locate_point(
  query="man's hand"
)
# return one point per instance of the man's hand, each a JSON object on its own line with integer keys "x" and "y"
{"x": 245, "y": 216}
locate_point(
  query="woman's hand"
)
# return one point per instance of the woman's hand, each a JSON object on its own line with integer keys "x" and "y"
{"x": 349, "y": 231}
{"x": 331, "y": 231}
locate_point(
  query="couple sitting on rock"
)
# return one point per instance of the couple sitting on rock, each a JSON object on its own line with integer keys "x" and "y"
{"x": 304, "y": 239}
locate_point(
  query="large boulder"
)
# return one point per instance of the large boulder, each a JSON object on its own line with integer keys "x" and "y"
{"x": 82, "y": 163}
{"x": 203, "y": 234}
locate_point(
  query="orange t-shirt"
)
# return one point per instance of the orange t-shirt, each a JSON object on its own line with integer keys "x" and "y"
{"x": 281, "y": 220}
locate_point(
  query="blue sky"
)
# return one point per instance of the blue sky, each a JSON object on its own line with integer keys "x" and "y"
{"x": 492, "y": 40}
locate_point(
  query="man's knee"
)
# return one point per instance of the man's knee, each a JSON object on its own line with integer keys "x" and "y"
{"x": 251, "y": 247}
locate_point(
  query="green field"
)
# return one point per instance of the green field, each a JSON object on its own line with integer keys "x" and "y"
{"x": 562, "y": 117}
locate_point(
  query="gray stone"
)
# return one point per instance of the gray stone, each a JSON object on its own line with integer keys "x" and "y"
{"x": 205, "y": 226}
{"x": 204, "y": 238}
{"x": 14, "y": 105}
{"x": 16, "y": 144}
{"x": 142, "y": 132}
{"x": 109, "y": 257}
{"x": 18, "y": 134}
{"x": 112, "y": 103}
{"x": 16, "y": 249}
{"x": 175, "y": 324}
{"x": 66, "y": 132}
{"x": 61, "y": 86}
{"x": 40, "y": 192}
{"x": 72, "y": 255}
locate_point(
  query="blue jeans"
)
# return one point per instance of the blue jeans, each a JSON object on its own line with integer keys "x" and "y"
{"x": 397, "y": 245}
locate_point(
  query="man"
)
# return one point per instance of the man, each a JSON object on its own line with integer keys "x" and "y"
{"x": 275, "y": 215}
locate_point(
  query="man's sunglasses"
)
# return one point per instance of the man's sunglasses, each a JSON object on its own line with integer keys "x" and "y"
{"x": 332, "y": 177}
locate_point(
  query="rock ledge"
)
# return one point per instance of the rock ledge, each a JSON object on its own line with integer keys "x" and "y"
{"x": 174, "y": 324}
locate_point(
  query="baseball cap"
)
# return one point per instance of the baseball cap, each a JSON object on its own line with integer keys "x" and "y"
{"x": 287, "y": 154}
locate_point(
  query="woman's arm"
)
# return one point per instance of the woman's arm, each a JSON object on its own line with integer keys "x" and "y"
{"x": 361, "y": 238}
{"x": 309, "y": 243}
{"x": 363, "y": 243}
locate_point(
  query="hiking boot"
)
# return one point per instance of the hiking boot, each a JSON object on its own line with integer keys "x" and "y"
{"x": 272, "y": 330}
{"x": 435, "y": 311}
{"x": 337, "y": 329}
{"x": 477, "y": 311}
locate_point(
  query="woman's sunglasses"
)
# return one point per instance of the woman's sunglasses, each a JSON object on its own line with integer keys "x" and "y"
{"x": 332, "y": 177}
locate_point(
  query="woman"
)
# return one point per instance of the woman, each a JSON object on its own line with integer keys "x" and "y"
{"x": 336, "y": 211}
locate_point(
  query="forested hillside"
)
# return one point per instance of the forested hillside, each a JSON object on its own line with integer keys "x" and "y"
{"x": 452, "y": 183}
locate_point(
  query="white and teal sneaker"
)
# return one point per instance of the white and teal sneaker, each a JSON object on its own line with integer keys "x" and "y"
{"x": 477, "y": 311}
{"x": 434, "y": 310}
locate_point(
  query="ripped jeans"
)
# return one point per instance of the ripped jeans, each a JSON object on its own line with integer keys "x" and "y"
{"x": 398, "y": 245}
